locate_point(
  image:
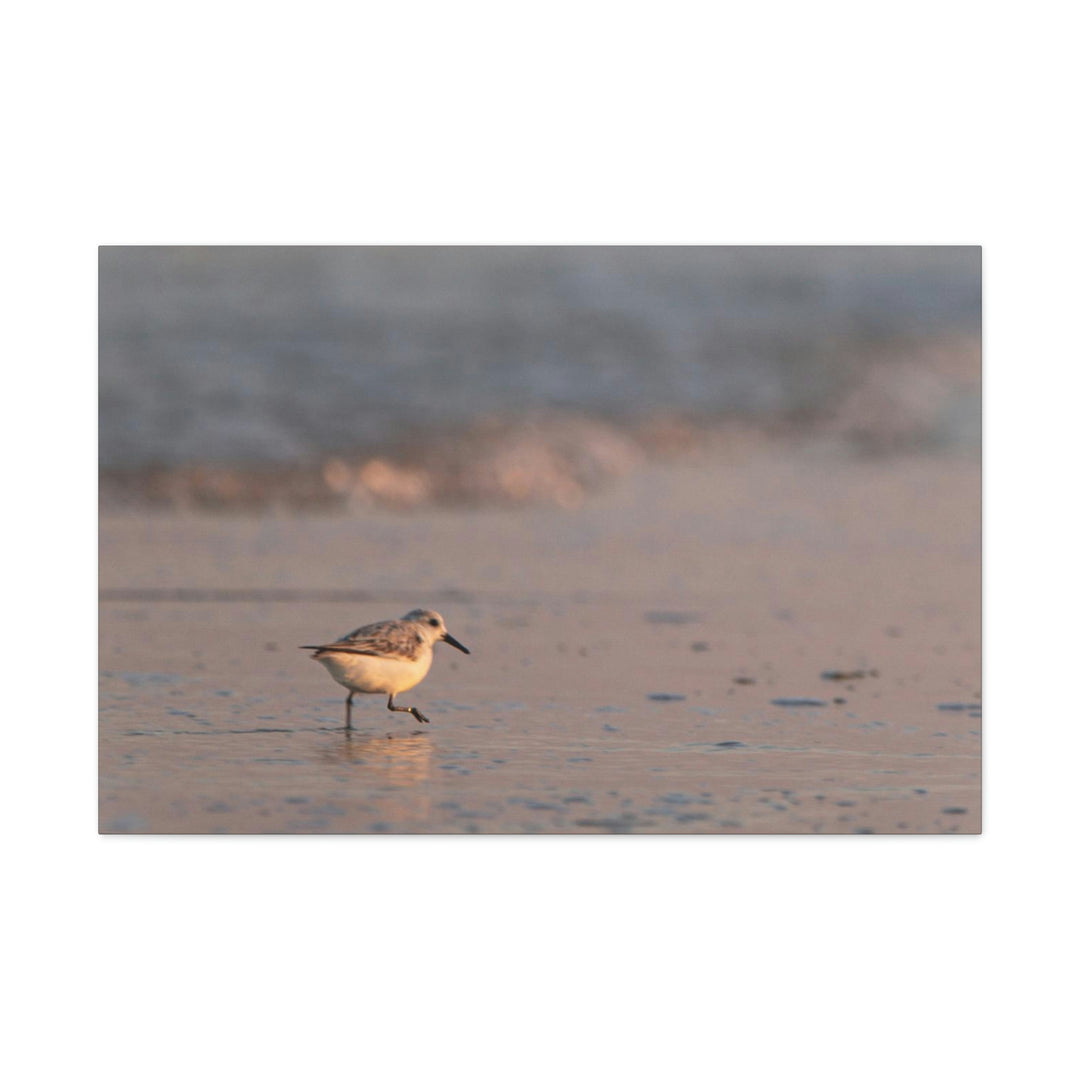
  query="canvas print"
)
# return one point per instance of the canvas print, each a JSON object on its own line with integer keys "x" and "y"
{"x": 573, "y": 540}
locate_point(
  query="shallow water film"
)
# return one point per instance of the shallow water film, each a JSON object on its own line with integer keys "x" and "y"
{"x": 805, "y": 661}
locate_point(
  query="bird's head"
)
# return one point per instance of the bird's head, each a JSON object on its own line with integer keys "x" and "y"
{"x": 431, "y": 626}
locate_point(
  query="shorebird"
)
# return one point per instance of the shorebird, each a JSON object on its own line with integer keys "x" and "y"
{"x": 385, "y": 657}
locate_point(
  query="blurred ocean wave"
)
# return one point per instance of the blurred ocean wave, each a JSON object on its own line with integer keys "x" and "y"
{"x": 322, "y": 376}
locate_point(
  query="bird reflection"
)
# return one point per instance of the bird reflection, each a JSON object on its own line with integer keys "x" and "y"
{"x": 400, "y": 759}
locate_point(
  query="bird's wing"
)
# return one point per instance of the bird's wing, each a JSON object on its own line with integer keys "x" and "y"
{"x": 390, "y": 638}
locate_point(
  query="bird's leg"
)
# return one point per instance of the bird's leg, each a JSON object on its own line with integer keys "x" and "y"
{"x": 407, "y": 708}
{"x": 348, "y": 711}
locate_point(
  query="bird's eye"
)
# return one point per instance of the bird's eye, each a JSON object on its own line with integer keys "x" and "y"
{"x": 433, "y": 622}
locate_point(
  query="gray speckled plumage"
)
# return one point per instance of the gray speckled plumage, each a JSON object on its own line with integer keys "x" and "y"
{"x": 391, "y": 637}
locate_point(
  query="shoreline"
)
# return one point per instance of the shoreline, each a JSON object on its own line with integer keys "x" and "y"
{"x": 638, "y": 662}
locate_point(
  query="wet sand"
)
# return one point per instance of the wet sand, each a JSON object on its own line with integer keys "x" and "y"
{"x": 779, "y": 644}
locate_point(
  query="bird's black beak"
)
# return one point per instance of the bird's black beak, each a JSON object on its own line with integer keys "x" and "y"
{"x": 454, "y": 641}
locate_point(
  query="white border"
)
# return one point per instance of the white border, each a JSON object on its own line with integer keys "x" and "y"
{"x": 781, "y": 123}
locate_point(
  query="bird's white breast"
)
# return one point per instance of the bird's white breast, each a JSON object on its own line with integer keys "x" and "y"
{"x": 376, "y": 674}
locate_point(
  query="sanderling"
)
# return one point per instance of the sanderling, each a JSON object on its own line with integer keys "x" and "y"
{"x": 385, "y": 657}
